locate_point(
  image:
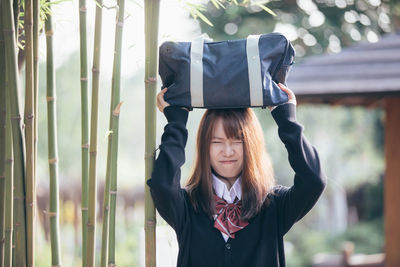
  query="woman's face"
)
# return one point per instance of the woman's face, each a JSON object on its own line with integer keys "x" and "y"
{"x": 226, "y": 155}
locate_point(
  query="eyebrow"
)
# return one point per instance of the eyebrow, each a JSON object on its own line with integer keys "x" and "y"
{"x": 215, "y": 137}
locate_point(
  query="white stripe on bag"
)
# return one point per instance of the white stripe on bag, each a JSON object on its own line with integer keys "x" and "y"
{"x": 254, "y": 68}
{"x": 196, "y": 72}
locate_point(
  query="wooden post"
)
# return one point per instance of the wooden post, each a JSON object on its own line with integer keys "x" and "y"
{"x": 392, "y": 182}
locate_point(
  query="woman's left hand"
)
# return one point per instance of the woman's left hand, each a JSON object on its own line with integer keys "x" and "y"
{"x": 291, "y": 96}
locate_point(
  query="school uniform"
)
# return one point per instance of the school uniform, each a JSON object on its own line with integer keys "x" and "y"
{"x": 258, "y": 244}
{"x": 227, "y": 195}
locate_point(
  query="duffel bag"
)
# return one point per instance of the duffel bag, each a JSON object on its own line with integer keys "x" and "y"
{"x": 227, "y": 74}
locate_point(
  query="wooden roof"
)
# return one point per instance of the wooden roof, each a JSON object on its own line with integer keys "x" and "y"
{"x": 362, "y": 74}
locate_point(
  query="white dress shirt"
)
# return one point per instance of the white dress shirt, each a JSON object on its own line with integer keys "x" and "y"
{"x": 222, "y": 191}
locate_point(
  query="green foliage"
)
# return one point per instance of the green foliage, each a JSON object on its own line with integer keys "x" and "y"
{"x": 368, "y": 199}
{"x": 350, "y": 145}
{"x": 374, "y": 200}
{"x": 344, "y": 137}
{"x": 313, "y": 27}
{"x": 368, "y": 237}
{"x": 198, "y": 10}
{"x": 127, "y": 247}
{"x": 303, "y": 243}
{"x": 45, "y": 10}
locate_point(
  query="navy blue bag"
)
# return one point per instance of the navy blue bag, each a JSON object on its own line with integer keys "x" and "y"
{"x": 228, "y": 74}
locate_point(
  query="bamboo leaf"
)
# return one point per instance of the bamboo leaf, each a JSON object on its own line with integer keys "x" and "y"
{"x": 196, "y": 10}
{"x": 98, "y": 4}
{"x": 139, "y": 4}
{"x": 107, "y": 134}
{"x": 215, "y": 3}
{"x": 203, "y": 17}
{"x": 266, "y": 9}
{"x": 196, "y": 6}
{"x": 218, "y": 4}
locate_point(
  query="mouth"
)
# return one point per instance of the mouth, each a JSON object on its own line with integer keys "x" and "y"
{"x": 228, "y": 161}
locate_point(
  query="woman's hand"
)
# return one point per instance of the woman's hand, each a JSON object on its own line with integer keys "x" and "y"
{"x": 291, "y": 96}
{"x": 161, "y": 103}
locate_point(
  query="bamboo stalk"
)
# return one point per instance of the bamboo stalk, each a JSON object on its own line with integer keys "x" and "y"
{"x": 106, "y": 200}
{"x": 108, "y": 236}
{"x": 106, "y": 204}
{"x": 2, "y": 139}
{"x": 18, "y": 204}
{"x": 36, "y": 25}
{"x": 2, "y": 173}
{"x": 84, "y": 124}
{"x": 52, "y": 146}
{"x": 20, "y": 241}
{"x": 16, "y": 5}
{"x": 116, "y": 105}
{"x": 29, "y": 132}
{"x": 19, "y": 182}
{"x": 152, "y": 8}
{"x": 11, "y": 83}
{"x": 9, "y": 183}
{"x": 91, "y": 225}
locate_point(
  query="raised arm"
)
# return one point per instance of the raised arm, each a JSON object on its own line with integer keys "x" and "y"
{"x": 164, "y": 184}
{"x": 309, "y": 180}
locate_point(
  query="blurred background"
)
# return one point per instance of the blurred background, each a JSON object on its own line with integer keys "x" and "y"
{"x": 349, "y": 139}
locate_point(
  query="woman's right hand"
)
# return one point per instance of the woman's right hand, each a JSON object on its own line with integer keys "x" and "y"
{"x": 161, "y": 103}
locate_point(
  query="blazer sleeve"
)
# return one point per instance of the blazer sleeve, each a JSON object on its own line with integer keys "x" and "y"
{"x": 309, "y": 180}
{"x": 165, "y": 188}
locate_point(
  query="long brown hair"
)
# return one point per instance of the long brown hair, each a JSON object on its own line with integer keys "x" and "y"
{"x": 257, "y": 174}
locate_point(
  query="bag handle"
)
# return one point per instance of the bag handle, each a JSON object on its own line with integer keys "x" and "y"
{"x": 196, "y": 70}
{"x": 254, "y": 69}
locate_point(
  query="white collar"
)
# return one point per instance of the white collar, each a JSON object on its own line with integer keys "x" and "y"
{"x": 222, "y": 191}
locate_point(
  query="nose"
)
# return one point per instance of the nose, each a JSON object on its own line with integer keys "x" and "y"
{"x": 228, "y": 150}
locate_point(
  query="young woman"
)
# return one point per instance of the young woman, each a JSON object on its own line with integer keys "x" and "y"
{"x": 231, "y": 213}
